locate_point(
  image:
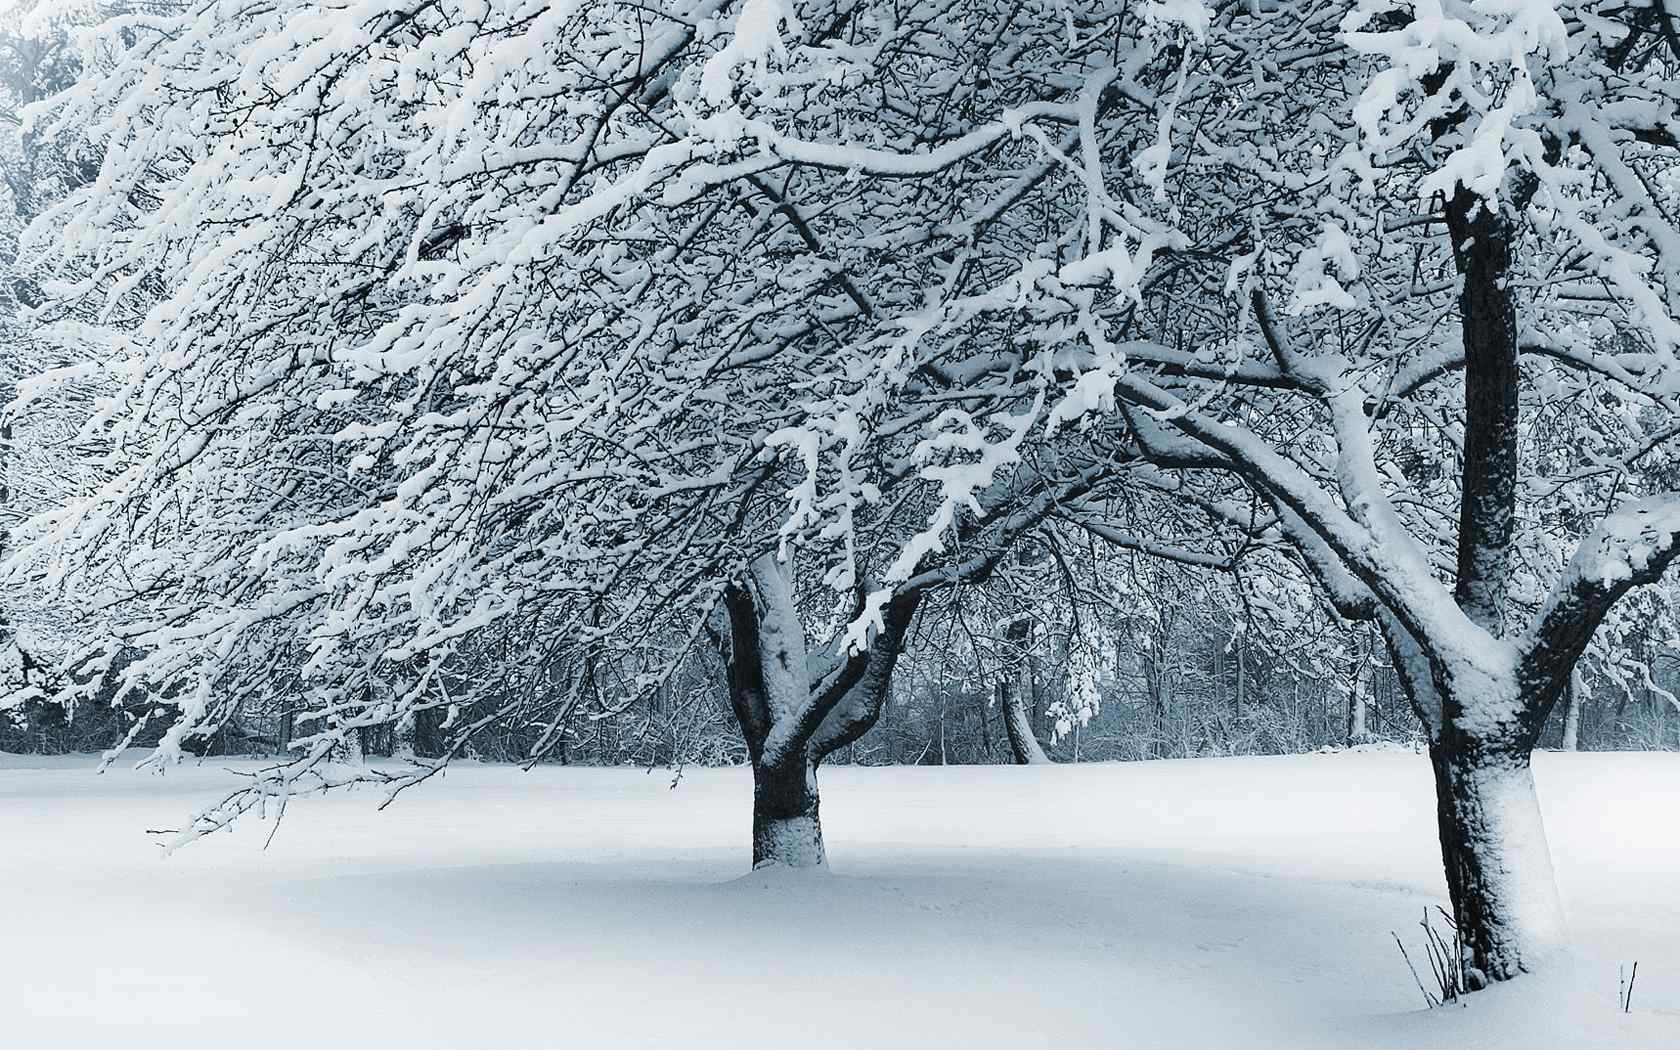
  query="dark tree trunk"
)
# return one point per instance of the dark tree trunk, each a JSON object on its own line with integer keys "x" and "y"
{"x": 429, "y": 739}
{"x": 1498, "y": 867}
{"x": 1493, "y": 842}
{"x": 787, "y": 827}
{"x": 1024, "y": 747}
{"x": 792, "y": 718}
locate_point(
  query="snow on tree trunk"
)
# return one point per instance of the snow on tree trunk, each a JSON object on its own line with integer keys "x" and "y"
{"x": 1498, "y": 867}
{"x": 1357, "y": 700}
{"x": 787, "y": 827}
{"x": 402, "y": 739}
{"x": 794, "y": 710}
{"x": 350, "y": 748}
{"x": 1356, "y": 732}
{"x": 1017, "y": 721}
{"x": 1572, "y": 718}
{"x": 1024, "y": 747}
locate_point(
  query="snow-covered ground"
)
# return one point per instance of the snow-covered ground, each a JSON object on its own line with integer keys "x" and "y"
{"x": 1223, "y": 903}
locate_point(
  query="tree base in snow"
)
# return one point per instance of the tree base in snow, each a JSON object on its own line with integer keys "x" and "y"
{"x": 1498, "y": 866}
{"x": 796, "y": 842}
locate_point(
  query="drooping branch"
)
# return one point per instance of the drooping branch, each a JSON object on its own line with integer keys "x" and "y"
{"x": 1395, "y": 574}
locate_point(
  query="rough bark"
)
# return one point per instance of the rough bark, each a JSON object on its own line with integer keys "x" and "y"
{"x": 1487, "y": 313}
{"x": 787, "y": 824}
{"x": 1498, "y": 867}
{"x": 1493, "y": 842}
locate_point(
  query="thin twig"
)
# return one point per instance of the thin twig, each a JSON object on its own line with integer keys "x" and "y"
{"x": 1429, "y": 1000}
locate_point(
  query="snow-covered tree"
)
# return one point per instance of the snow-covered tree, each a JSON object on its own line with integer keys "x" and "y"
{"x": 489, "y": 318}
{"x": 41, "y": 463}
{"x": 1461, "y": 214}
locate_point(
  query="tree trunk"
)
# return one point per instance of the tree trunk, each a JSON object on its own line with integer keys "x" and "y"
{"x": 1240, "y": 686}
{"x": 352, "y": 748}
{"x": 1017, "y": 722}
{"x": 1356, "y": 698}
{"x": 1498, "y": 867}
{"x": 1356, "y": 716}
{"x": 944, "y": 755}
{"x": 402, "y": 740}
{"x": 430, "y": 740}
{"x": 1572, "y": 718}
{"x": 1018, "y": 691}
{"x": 787, "y": 828}
{"x": 791, "y": 713}
{"x": 1159, "y": 701}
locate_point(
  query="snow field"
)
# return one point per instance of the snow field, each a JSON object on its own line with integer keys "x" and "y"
{"x": 1221, "y": 903}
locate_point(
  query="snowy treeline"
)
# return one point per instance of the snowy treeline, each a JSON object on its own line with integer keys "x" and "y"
{"x": 1180, "y": 689}
{"x": 414, "y": 375}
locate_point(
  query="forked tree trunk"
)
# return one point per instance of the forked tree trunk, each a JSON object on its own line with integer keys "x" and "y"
{"x": 1494, "y": 854}
{"x": 1498, "y": 867}
{"x": 793, "y": 714}
{"x": 1493, "y": 842}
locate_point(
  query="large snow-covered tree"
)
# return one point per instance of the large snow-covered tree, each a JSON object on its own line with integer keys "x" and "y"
{"x": 489, "y": 318}
{"x": 1407, "y": 282}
